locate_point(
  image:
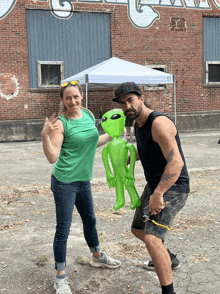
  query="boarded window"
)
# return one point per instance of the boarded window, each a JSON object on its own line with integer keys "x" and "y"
{"x": 213, "y": 72}
{"x": 211, "y": 52}
{"x": 80, "y": 42}
{"x": 50, "y": 73}
{"x": 159, "y": 67}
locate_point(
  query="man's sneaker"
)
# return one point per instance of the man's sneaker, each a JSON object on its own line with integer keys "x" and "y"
{"x": 174, "y": 262}
{"x": 61, "y": 286}
{"x": 104, "y": 261}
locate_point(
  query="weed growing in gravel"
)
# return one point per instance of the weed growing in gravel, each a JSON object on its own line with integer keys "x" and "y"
{"x": 41, "y": 260}
{"x": 82, "y": 260}
{"x": 102, "y": 237}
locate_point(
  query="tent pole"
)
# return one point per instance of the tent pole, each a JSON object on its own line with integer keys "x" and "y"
{"x": 86, "y": 95}
{"x": 174, "y": 89}
{"x": 86, "y": 80}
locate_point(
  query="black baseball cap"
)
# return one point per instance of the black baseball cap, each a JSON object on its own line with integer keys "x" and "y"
{"x": 126, "y": 88}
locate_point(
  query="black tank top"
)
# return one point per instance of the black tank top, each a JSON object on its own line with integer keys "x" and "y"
{"x": 152, "y": 158}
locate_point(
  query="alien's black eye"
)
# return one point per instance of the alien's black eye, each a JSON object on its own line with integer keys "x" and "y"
{"x": 115, "y": 116}
{"x": 104, "y": 119}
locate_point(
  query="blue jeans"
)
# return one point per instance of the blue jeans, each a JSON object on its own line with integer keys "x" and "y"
{"x": 66, "y": 196}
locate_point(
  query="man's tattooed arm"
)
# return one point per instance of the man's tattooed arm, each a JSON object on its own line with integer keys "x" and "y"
{"x": 168, "y": 176}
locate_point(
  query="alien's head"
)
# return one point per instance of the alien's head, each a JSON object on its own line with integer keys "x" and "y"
{"x": 113, "y": 122}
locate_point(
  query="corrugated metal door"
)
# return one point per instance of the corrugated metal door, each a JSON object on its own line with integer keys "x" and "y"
{"x": 211, "y": 41}
{"x": 81, "y": 41}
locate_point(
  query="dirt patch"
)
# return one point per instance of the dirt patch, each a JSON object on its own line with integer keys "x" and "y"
{"x": 42, "y": 211}
{"x": 132, "y": 250}
{"x": 200, "y": 257}
{"x": 109, "y": 213}
{"x": 101, "y": 188}
{"x": 181, "y": 224}
{"x": 11, "y": 226}
{"x": 201, "y": 181}
{"x": 11, "y": 194}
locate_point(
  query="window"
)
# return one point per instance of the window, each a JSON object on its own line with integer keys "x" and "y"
{"x": 50, "y": 73}
{"x": 159, "y": 67}
{"x": 211, "y": 52}
{"x": 80, "y": 42}
{"x": 212, "y": 72}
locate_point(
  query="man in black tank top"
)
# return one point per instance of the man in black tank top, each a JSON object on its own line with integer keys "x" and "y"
{"x": 166, "y": 192}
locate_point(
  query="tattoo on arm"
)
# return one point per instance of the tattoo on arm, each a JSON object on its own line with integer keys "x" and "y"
{"x": 170, "y": 156}
{"x": 167, "y": 177}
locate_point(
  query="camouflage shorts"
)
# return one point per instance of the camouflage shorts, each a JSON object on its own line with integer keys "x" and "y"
{"x": 161, "y": 223}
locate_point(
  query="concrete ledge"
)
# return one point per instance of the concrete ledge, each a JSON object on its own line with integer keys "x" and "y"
{"x": 28, "y": 130}
{"x": 21, "y": 130}
{"x": 197, "y": 121}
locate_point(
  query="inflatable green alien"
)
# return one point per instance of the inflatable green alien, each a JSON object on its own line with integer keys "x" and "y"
{"x": 113, "y": 123}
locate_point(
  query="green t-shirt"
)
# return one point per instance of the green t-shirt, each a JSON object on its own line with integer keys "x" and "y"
{"x": 77, "y": 154}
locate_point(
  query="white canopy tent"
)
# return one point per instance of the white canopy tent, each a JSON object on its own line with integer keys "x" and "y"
{"x": 114, "y": 71}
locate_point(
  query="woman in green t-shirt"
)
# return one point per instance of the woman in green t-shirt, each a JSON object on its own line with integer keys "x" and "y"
{"x": 69, "y": 143}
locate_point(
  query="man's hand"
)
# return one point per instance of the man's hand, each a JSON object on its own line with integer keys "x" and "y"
{"x": 156, "y": 203}
{"x": 129, "y": 158}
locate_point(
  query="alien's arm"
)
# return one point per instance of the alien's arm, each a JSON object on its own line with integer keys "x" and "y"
{"x": 130, "y": 175}
{"x": 110, "y": 177}
{"x": 132, "y": 151}
{"x": 137, "y": 157}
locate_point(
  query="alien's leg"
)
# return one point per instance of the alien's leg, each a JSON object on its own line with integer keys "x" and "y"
{"x": 135, "y": 199}
{"x": 120, "y": 194}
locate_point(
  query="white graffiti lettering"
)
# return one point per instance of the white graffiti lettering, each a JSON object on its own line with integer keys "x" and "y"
{"x": 61, "y": 11}
{"x": 204, "y": 4}
{"x": 6, "y": 7}
{"x": 116, "y": 1}
{"x": 141, "y": 13}
{"x": 143, "y": 16}
{"x": 217, "y": 3}
{"x": 90, "y": 1}
{"x": 150, "y": 2}
{"x": 189, "y": 3}
{"x": 165, "y": 3}
{"x": 178, "y": 3}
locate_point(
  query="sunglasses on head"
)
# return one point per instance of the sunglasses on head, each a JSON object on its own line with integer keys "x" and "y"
{"x": 65, "y": 84}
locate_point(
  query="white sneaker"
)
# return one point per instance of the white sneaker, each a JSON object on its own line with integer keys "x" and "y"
{"x": 104, "y": 261}
{"x": 61, "y": 286}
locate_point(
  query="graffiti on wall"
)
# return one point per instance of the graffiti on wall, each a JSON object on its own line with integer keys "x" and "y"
{"x": 142, "y": 13}
{"x": 6, "y": 7}
{"x": 9, "y": 87}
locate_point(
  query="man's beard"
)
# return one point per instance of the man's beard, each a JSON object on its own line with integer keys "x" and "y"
{"x": 133, "y": 113}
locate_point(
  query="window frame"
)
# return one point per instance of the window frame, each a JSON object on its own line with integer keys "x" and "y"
{"x": 156, "y": 88}
{"x": 39, "y": 75}
{"x": 207, "y": 72}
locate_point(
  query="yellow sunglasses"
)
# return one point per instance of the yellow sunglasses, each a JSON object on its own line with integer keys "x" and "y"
{"x": 65, "y": 84}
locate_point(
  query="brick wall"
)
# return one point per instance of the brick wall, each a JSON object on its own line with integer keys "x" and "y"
{"x": 174, "y": 40}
